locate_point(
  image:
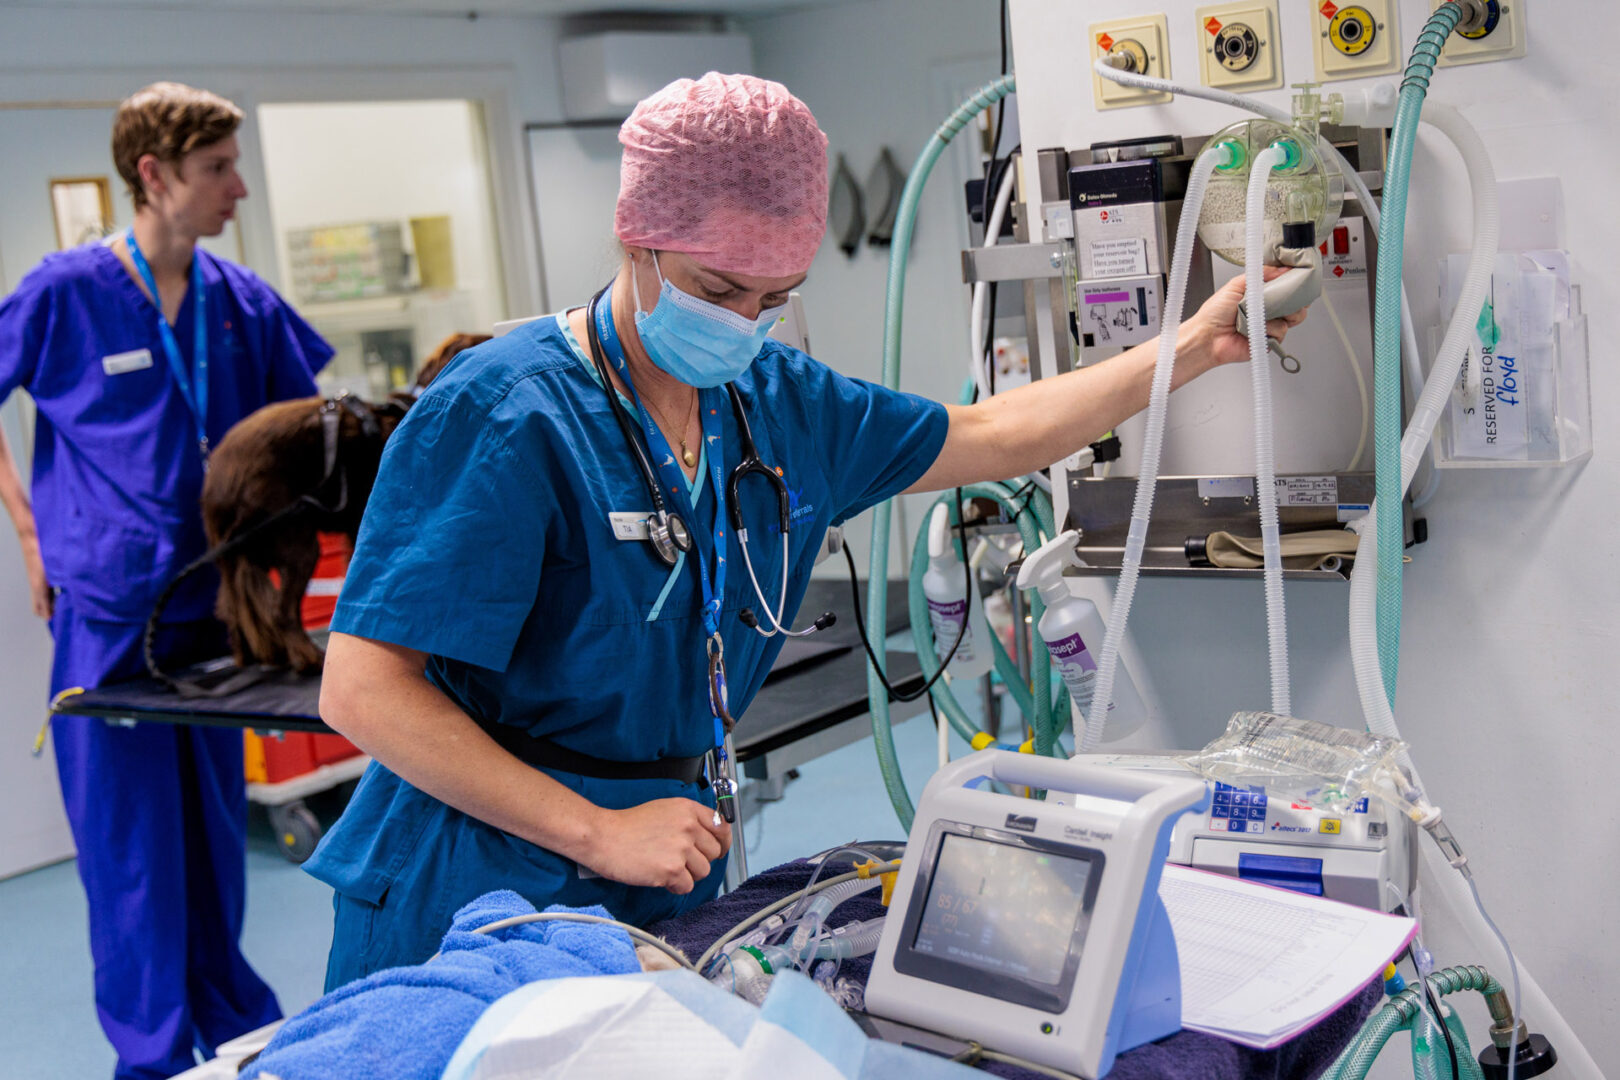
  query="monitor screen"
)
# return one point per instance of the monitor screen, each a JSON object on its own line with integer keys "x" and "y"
{"x": 1003, "y": 908}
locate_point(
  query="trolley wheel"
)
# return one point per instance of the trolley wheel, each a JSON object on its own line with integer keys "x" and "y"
{"x": 297, "y": 830}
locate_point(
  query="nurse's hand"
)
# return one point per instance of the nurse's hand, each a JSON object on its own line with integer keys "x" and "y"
{"x": 664, "y": 844}
{"x": 39, "y": 587}
{"x": 1210, "y": 337}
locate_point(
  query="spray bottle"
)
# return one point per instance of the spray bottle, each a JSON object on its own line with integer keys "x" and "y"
{"x": 1073, "y": 630}
{"x": 945, "y": 585}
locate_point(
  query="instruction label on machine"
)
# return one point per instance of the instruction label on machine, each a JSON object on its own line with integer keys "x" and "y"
{"x": 1308, "y": 491}
{"x": 1125, "y": 311}
{"x": 1124, "y": 257}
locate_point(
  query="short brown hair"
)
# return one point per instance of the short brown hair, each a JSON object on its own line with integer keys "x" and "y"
{"x": 168, "y": 120}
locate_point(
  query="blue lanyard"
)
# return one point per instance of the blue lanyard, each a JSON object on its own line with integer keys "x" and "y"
{"x": 674, "y": 479}
{"x": 196, "y": 401}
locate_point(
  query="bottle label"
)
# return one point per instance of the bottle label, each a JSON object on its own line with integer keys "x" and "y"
{"x": 1076, "y": 668}
{"x": 947, "y": 617}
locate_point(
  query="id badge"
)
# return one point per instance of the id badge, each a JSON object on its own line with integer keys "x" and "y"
{"x": 125, "y": 362}
{"x": 630, "y": 524}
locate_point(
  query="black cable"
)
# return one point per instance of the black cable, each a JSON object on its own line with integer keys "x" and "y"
{"x": 1026, "y": 492}
{"x": 1434, "y": 1007}
{"x": 961, "y": 631}
{"x": 991, "y": 185}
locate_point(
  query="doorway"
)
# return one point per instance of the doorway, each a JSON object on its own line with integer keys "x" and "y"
{"x": 385, "y": 230}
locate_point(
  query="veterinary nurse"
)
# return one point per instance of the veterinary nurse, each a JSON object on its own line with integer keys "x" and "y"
{"x": 138, "y": 353}
{"x": 532, "y": 683}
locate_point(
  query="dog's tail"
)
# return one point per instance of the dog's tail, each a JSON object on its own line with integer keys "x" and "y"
{"x": 248, "y": 601}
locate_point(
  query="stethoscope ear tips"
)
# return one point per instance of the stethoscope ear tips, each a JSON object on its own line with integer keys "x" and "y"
{"x": 747, "y": 617}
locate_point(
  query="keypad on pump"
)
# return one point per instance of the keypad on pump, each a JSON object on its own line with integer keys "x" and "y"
{"x": 1235, "y": 809}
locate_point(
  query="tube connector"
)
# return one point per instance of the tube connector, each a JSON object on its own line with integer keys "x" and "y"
{"x": 890, "y": 877}
{"x": 1367, "y": 106}
{"x": 1437, "y": 828}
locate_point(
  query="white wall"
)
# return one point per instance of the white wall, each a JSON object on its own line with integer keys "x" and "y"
{"x": 322, "y": 160}
{"x": 1510, "y": 619}
{"x": 876, "y": 75}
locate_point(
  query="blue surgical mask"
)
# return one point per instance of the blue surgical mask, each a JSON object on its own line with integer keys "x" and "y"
{"x": 699, "y": 343}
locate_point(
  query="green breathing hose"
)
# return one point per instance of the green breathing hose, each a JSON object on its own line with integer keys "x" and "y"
{"x": 878, "y": 574}
{"x": 1039, "y": 706}
{"x": 1387, "y": 338}
{"x": 1398, "y": 1014}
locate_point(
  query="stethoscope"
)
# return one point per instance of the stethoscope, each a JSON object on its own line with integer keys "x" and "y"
{"x": 668, "y": 531}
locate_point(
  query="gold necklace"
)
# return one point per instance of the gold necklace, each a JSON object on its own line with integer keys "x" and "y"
{"x": 687, "y": 455}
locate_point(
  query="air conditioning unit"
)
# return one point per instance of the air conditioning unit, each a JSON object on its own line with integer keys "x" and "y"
{"x": 604, "y": 75}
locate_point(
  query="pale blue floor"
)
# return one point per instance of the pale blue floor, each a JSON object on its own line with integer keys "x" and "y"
{"x": 48, "y": 1028}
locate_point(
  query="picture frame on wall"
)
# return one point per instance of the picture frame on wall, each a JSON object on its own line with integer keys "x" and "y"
{"x": 82, "y": 206}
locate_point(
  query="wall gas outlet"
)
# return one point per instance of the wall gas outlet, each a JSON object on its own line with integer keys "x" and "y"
{"x": 1143, "y": 42}
{"x": 1355, "y": 39}
{"x": 1238, "y": 48}
{"x": 1500, "y": 38}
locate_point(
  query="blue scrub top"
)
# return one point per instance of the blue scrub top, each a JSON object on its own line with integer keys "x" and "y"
{"x": 487, "y": 544}
{"x": 117, "y": 473}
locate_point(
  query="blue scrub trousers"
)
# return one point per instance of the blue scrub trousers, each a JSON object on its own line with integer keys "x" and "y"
{"x": 158, "y": 812}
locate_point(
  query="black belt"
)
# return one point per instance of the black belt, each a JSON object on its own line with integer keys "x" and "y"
{"x": 545, "y": 754}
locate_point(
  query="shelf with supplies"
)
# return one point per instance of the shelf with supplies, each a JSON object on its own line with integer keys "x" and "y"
{"x": 1188, "y": 509}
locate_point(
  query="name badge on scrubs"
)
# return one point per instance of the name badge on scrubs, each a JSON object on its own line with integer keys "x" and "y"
{"x": 630, "y": 524}
{"x": 125, "y": 362}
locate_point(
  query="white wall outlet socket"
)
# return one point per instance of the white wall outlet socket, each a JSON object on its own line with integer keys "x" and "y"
{"x": 1501, "y": 38}
{"x": 1144, "y": 43}
{"x": 1355, "y": 39}
{"x": 1238, "y": 48}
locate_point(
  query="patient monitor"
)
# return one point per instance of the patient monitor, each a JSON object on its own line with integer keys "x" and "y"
{"x": 1031, "y": 927}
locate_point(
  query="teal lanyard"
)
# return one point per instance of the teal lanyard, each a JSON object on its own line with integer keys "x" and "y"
{"x": 195, "y": 397}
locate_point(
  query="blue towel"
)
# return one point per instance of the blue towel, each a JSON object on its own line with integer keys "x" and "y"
{"x": 406, "y": 1022}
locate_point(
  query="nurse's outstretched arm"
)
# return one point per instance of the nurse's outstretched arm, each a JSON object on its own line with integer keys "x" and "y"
{"x": 376, "y": 694}
{"x": 1029, "y": 428}
{"x": 22, "y": 518}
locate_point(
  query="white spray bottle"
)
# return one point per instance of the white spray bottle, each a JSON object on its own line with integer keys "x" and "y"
{"x": 1073, "y": 630}
{"x": 945, "y": 585}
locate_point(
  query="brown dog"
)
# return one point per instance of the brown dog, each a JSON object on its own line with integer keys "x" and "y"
{"x": 266, "y": 463}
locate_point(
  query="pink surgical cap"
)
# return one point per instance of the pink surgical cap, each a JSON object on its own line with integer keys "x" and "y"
{"x": 730, "y": 169}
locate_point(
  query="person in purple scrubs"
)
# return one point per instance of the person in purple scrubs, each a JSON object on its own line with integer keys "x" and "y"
{"x": 139, "y": 353}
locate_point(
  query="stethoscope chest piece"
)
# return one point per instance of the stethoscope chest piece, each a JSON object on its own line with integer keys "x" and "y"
{"x": 669, "y": 535}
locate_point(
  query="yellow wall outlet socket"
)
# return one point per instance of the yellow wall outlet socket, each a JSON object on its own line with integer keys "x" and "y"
{"x": 1500, "y": 38}
{"x": 1238, "y": 47}
{"x": 1143, "y": 43}
{"x": 1355, "y": 39}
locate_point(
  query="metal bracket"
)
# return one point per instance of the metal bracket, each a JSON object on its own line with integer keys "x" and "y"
{"x": 1013, "y": 262}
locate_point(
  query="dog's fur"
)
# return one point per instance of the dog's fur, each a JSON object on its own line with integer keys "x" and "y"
{"x": 266, "y": 462}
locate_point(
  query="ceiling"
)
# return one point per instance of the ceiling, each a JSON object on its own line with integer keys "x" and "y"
{"x": 458, "y": 8}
